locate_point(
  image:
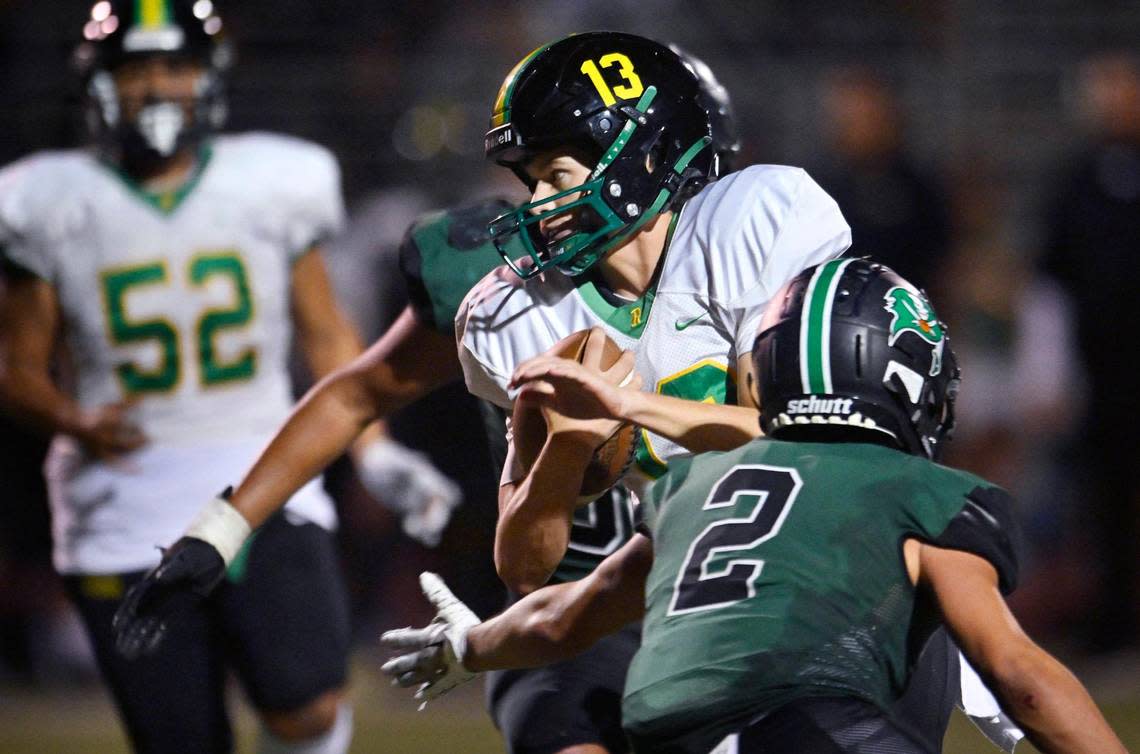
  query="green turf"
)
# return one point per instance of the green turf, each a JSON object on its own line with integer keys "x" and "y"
{"x": 81, "y": 720}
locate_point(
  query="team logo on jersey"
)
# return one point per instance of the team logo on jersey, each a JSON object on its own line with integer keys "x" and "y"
{"x": 910, "y": 312}
{"x": 682, "y": 324}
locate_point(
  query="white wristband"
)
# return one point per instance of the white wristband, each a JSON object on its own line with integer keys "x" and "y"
{"x": 220, "y": 525}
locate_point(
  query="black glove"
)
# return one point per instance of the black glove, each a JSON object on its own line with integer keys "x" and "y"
{"x": 189, "y": 571}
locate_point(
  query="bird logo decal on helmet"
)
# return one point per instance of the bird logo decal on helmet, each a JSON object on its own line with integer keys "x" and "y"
{"x": 911, "y": 312}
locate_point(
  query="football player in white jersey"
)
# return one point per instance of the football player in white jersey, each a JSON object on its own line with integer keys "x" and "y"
{"x": 174, "y": 266}
{"x": 625, "y": 233}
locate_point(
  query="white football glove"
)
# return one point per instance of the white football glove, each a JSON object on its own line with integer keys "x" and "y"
{"x": 432, "y": 656}
{"x": 407, "y": 483}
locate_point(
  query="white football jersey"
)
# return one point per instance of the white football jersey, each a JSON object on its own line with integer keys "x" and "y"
{"x": 733, "y": 246}
{"x": 180, "y": 302}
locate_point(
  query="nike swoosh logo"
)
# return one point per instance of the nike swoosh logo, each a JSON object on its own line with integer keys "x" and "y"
{"x": 682, "y": 324}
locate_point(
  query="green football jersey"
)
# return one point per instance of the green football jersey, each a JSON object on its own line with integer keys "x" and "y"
{"x": 778, "y": 575}
{"x": 442, "y": 256}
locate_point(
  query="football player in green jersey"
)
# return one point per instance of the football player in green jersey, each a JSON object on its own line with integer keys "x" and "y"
{"x": 785, "y": 586}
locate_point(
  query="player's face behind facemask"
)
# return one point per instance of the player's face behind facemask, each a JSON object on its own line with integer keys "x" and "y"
{"x": 152, "y": 74}
{"x": 848, "y": 351}
{"x": 157, "y": 96}
{"x": 564, "y": 214}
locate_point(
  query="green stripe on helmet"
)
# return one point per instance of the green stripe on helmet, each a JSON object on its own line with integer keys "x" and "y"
{"x": 501, "y": 111}
{"x": 151, "y": 14}
{"x": 815, "y": 327}
{"x": 627, "y": 130}
{"x": 690, "y": 153}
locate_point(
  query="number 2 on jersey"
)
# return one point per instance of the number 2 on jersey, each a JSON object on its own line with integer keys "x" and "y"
{"x": 630, "y": 89}
{"x": 117, "y": 284}
{"x": 719, "y": 569}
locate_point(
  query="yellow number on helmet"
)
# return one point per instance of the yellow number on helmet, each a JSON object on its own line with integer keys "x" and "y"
{"x": 630, "y": 89}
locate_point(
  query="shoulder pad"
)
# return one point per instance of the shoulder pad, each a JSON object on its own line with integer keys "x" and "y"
{"x": 41, "y": 206}
{"x": 300, "y": 182}
{"x": 986, "y": 526}
{"x": 733, "y": 228}
{"x": 443, "y": 255}
{"x": 290, "y": 165}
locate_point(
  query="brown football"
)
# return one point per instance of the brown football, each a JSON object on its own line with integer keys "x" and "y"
{"x": 610, "y": 459}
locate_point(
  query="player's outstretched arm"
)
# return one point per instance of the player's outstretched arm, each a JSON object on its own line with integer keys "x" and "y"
{"x": 29, "y": 324}
{"x": 1040, "y": 693}
{"x": 554, "y": 623}
{"x": 407, "y": 362}
{"x": 696, "y": 426}
{"x": 561, "y": 620}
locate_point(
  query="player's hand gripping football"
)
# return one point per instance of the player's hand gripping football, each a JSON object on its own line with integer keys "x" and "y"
{"x": 188, "y": 572}
{"x": 406, "y": 482}
{"x": 579, "y": 398}
{"x": 432, "y": 656}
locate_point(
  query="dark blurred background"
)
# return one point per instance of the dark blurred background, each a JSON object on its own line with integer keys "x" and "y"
{"x": 990, "y": 151}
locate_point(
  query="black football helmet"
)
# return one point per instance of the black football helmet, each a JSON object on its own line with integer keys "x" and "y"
{"x": 849, "y": 348}
{"x": 633, "y": 106}
{"x": 722, "y": 115}
{"x": 120, "y": 30}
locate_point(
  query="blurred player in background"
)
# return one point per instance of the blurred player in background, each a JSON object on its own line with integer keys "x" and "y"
{"x": 755, "y": 631}
{"x": 173, "y": 266}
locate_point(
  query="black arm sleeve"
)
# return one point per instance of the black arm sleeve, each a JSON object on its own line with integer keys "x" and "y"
{"x": 987, "y": 528}
{"x": 411, "y": 267}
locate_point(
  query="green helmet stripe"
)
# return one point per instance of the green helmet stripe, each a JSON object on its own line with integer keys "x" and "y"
{"x": 501, "y": 112}
{"x": 815, "y": 327}
{"x": 626, "y": 131}
{"x": 690, "y": 153}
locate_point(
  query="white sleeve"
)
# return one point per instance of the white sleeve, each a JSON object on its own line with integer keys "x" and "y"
{"x": 812, "y": 232}
{"x": 21, "y": 240}
{"x": 484, "y": 380}
{"x": 317, "y": 202}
